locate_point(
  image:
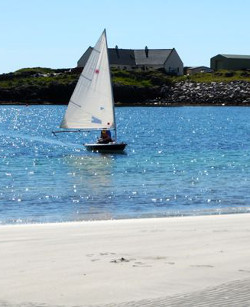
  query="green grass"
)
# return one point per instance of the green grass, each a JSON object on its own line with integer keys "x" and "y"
{"x": 42, "y": 77}
{"x": 159, "y": 78}
{"x": 37, "y": 77}
{"x": 33, "y": 70}
{"x": 140, "y": 78}
{"x": 218, "y": 76}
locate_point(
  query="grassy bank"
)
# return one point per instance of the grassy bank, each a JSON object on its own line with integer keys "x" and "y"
{"x": 218, "y": 76}
{"x": 45, "y": 76}
{"x": 37, "y": 77}
{"x": 45, "y": 85}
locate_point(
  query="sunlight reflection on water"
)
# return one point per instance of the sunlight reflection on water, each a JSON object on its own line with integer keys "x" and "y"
{"x": 179, "y": 161}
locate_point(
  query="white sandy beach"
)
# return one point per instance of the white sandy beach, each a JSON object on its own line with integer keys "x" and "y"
{"x": 147, "y": 262}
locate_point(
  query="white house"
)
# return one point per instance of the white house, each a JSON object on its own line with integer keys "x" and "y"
{"x": 144, "y": 59}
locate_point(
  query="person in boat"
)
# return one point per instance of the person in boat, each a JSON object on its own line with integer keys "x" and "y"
{"x": 105, "y": 137}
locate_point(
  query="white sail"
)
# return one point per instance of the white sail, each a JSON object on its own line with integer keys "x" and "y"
{"x": 91, "y": 105}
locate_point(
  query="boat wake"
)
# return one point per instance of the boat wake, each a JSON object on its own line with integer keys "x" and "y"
{"x": 39, "y": 139}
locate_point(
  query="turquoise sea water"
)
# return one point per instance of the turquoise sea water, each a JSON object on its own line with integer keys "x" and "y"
{"x": 179, "y": 161}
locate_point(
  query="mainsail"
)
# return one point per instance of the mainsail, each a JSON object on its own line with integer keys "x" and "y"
{"x": 91, "y": 105}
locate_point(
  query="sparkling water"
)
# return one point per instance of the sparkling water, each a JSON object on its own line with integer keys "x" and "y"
{"x": 179, "y": 161}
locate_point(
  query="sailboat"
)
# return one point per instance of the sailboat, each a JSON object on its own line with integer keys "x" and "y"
{"x": 91, "y": 106}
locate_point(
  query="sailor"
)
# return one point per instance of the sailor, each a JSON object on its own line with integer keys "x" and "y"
{"x": 105, "y": 137}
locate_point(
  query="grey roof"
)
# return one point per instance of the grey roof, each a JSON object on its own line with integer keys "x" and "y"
{"x": 138, "y": 57}
{"x": 236, "y": 56}
{"x": 132, "y": 57}
{"x": 121, "y": 56}
{"x": 155, "y": 56}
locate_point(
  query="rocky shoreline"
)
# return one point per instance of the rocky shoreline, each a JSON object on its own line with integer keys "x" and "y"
{"x": 214, "y": 93}
{"x": 234, "y": 93}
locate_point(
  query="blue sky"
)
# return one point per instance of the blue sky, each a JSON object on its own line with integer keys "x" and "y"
{"x": 55, "y": 33}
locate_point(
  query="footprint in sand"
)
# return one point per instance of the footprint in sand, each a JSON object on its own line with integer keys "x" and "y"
{"x": 119, "y": 260}
{"x": 202, "y": 266}
{"x": 141, "y": 264}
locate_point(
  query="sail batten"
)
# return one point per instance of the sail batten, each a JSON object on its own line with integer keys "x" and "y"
{"x": 75, "y": 104}
{"x": 98, "y": 51}
{"x": 91, "y": 105}
{"x": 87, "y": 78}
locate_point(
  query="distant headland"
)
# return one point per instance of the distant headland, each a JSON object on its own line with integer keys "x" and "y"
{"x": 133, "y": 88}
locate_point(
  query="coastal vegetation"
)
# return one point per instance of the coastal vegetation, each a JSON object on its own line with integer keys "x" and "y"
{"x": 217, "y": 76}
{"x": 46, "y": 85}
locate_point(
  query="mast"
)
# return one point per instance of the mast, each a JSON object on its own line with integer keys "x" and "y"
{"x": 112, "y": 94}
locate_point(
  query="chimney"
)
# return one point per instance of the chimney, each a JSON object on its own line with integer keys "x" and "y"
{"x": 117, "y": 51}
{"x": 146, "y": 51}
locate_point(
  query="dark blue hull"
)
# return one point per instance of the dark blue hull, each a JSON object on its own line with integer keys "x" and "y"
{"x": 106, "y": 148}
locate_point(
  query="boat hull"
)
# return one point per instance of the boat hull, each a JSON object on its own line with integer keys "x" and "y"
{"x": 106, "y": 148}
